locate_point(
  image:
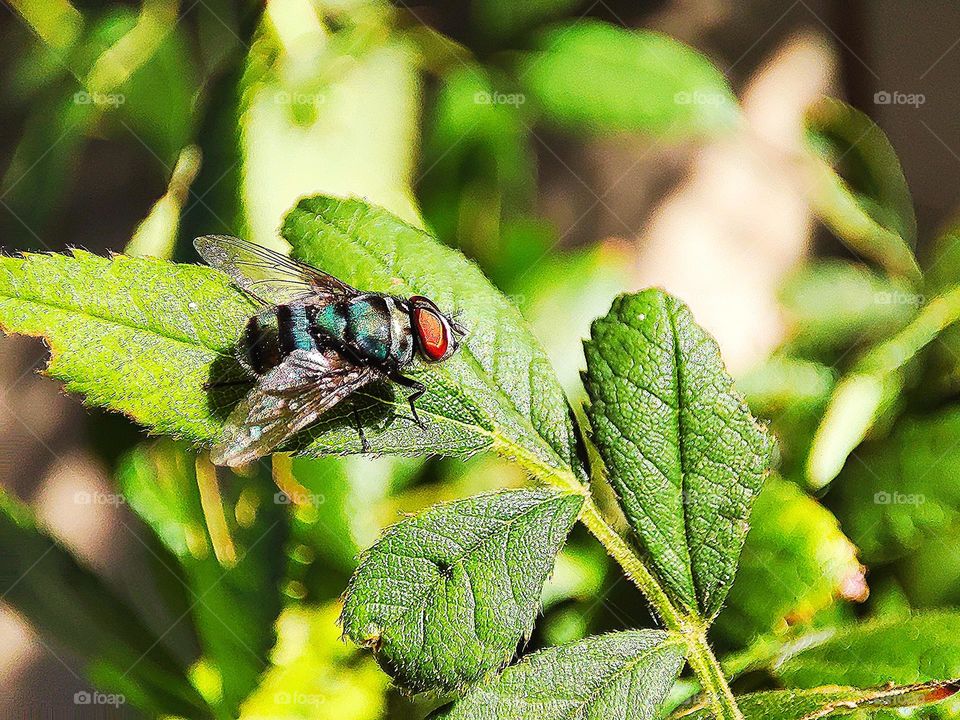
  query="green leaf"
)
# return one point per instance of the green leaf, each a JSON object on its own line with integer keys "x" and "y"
{"x": 498, "y": 391}
{"x": 795, "y": 562}
{"x": 445, "y": 597}
{"x": 921, "y": 648}
{"x": 313, "y": 674}
{"x": 157, "y": 234}
{"x": 894, "y": 497}
{"x": 143, "y": 337}
{"x": 858, "y": 187}
{"x": 874, "y": 381}
{"x": 832, "y": 305}
{"x": 834, "y": 701}
{"x": 792, "y": 395}
{"x": 227, "y": 543}
{"x": 590, "y": 76}
{"x": 135, "y": 335}
{"x": 72, "y": 607}
{"x": 620, "y": 675}
{"x": 325, "y": 111}
{"x": 681, "y": 448}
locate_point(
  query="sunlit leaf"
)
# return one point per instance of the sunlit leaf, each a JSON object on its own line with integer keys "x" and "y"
{"x": 620, "y": 675}
{"x": 681, "y": 448}
{"x": 444, "y": 598}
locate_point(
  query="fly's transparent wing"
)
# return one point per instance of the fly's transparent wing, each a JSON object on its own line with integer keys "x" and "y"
{"x": 286, "y": 400}
{"x": 267, "y": 275}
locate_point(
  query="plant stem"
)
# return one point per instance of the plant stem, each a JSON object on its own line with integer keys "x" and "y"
{"x": 707, "y": 669}
{"x": 700, "y": 657}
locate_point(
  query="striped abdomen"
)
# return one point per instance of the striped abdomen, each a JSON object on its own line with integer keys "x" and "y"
{"x": 370, "y": 327}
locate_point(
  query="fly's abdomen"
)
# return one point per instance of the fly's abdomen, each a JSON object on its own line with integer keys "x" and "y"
{"x": 261, "y": 342}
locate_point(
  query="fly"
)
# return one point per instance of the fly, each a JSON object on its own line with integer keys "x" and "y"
{"x": 315, "y": 342}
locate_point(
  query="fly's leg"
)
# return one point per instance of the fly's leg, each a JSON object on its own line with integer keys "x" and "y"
{"x": 418, "y": 389}
{"x": 364, "y": 445}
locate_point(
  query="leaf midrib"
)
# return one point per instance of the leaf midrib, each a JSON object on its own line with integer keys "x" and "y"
{"x": 679, "y": 383}
{"x": 83, "y": 312}
{"x": 627, "y": 667}
{"x": 419, "y": 608}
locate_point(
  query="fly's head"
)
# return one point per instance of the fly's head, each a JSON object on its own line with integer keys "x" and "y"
{"x": 436, "y": 335}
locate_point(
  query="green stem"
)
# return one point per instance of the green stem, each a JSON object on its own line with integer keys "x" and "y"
{"x": 699, "y": 655}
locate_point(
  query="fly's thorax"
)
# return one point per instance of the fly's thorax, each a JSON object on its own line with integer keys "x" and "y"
{"x": 368, "y": 327}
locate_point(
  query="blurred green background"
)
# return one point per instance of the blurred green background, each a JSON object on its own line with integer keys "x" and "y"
{"x": 574, "y": 150}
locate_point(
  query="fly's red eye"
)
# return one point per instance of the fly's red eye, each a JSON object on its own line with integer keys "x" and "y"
{"x": 432, "y": 332}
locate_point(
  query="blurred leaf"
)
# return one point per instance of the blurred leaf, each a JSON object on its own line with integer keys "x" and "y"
{"x": 835, "y": 701}
{"x": 70, "y": 605}
{"x": 680, "y": 446}
{"x": 562, "y": 296}
{"x": 498, "y": 390}
{"x": 230, "y": 565}
{"x": 135, "y": 335}
{"x": 39, "y": 172}
{"x": 941, "y": 272}
{"x": 795, "y": 562}
{"x": 873, "y": 381}
{"x": 146, "y": 78}
{"x": 858, "y": 188}
{"x": 157, "y": 235}
{"x": 922, "y": 648}
{"x": 833, "y": 305}
{"x": 589, "y": 76}
{"x": 444, "y": 598}
{"x": 478, "y": 181}
{"x": 325, "y": 112}
{"x": 792, "y": 395}
{"x": 894, "y": 495}
{"x": 620, "y": 675}
{"x": 336, "y": 508}
{"x": 313, "y": 674}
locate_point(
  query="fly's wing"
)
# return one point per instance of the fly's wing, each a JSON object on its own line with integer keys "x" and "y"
{"x": 285, "y": 401}
{"x": 269, "y": 276}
